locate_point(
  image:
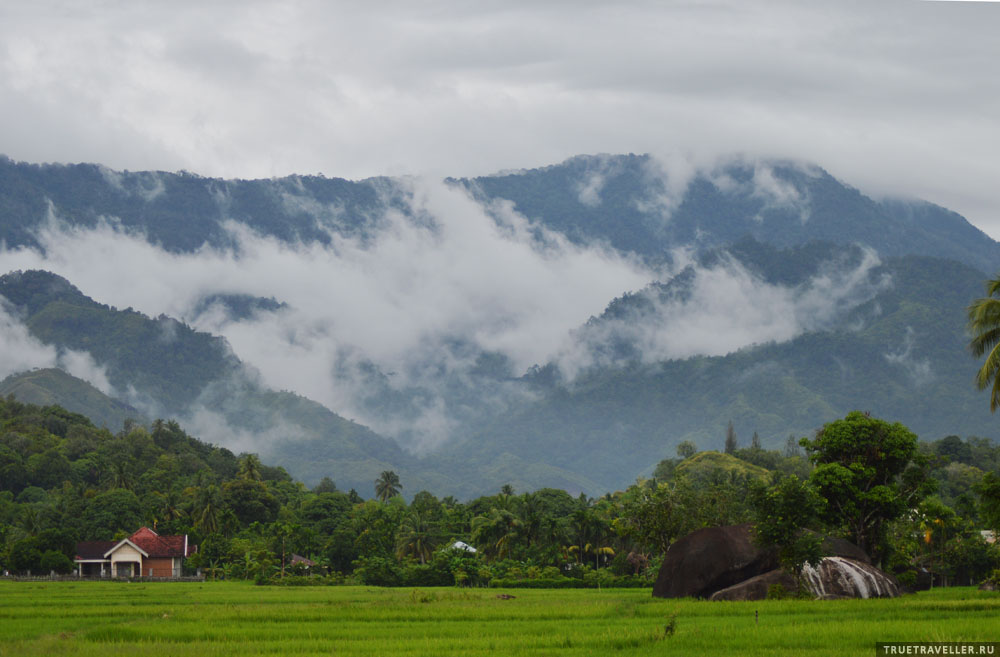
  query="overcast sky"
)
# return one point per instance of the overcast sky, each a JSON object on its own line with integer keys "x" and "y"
{"x": 895, "y": 97}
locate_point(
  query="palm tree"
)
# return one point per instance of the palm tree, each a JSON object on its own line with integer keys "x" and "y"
{"x": 206, "y": 510}
{"x": 417, "y": 538}
{"x": 495, "y": 533}
{"x": 250, "y": 467}
{"x": 120, "y": 475}
{"x": 387, "y": 486}
{"x": 169, "y": 506}
{"x": 984, "y": 326}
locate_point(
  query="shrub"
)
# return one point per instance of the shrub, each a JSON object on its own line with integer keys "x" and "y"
{"x": 54, "y": 560}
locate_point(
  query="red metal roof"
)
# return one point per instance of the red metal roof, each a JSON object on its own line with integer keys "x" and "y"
{"x": 156, "y": 546}
{"x": 161, "y": 546}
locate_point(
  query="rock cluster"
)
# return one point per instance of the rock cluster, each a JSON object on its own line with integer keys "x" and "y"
{"x": 723, "y": 563}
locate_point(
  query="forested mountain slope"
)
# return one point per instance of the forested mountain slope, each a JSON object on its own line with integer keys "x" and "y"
{"x": 763, "y": 292}
{"x": 902, "y": 355}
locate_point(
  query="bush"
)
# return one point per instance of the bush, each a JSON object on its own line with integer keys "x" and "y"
{"x": 777, "y": 592}
{"x": 378, "y": 571}
{"x": 54, "y": 560}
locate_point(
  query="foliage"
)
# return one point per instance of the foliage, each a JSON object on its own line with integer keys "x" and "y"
{"x": 387, "y": 485}
{"x": 782, "y": 514}
{"x": 869, "y": 472}
{"x": 249, "y": 518}
{"x": 989, "y": 495}
{"x": 984, "y": 326}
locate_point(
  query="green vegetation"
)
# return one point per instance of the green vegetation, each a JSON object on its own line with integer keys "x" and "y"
{"x": 166, "y": 361}
{"x": 216, "y": 618}
{"x": 53, "y": 387}
{"x": 902, "y": 354}
{"x": 984, "y": 326}
{"x": 64, "y": 480}
{"x": 869, "y": 473}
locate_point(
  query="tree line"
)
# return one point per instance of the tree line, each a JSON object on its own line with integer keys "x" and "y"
{"x": 63, "y": 480}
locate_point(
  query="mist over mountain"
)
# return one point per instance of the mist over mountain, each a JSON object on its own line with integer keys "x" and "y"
{"x": 643, "y": 205}
{"x": 564, "y": 326}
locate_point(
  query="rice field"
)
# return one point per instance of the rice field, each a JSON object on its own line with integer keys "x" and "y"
{"x": 235, "y": 618}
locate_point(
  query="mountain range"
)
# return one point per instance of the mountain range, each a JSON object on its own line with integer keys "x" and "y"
{"x": 765, "y": 293}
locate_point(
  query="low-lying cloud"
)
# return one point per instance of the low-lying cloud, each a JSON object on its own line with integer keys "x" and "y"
{"x": 420, "y": 327}
{"x": 719, "y": 309}
{"x": 445, "y": 272}
{"x": 20, "y": 352}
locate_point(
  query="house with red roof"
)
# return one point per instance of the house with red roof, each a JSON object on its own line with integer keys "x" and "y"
{"x": 143, "y": 554}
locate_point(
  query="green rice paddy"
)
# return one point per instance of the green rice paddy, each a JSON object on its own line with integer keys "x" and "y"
{"x": 235, "y": 618}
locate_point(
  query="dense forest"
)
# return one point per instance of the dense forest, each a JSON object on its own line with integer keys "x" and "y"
{"x": 63, "y": 480}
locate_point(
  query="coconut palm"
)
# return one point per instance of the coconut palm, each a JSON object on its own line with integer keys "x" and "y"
{"x": 984, "y": 326}
{"x": 206, "y": 510}
{"x": 387, "y": 486}
{"x": 495, "y": 532}
{"x": 417, "y": 538}
{"x": 250, "y": 467}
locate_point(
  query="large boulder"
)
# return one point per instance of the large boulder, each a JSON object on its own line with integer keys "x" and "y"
{"x": 711, "y": 559}
{"x": 834, "y": 578}
{"x": 840, "y": 547}
{"x": 715, "y": 558}
{"x": 756, "y": 588}
{"x": 846, "y": 578}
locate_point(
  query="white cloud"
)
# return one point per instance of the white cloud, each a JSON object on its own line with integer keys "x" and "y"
{"x": 20, "y": 352}
{"x": 723, "y": 308}
{"x": 917, "y": 369}
{"x": 888, "y": 95}
{"x": 81, "y": 365}
{"x": 403, "y": 298}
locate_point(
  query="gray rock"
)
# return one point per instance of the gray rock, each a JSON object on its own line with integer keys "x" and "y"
{"x": 715, "y": 558}
{"x": 711, "y": 559}
{"x": 842, "y": 577}
{"x": 756, "y": 588}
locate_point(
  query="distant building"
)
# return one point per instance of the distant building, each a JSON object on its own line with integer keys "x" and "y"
{"x": 298, "y": 559}
{"x": 464, "y": 547}
{"x": 143, "y": 554}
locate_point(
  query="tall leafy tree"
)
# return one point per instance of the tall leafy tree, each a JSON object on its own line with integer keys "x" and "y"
{"x": 496, "y": 532}
{"x": 781, "y": 513}
{"x": 731, "y": 444}
{"x": 989, "y": 499}
{"x": 869, "y": 472}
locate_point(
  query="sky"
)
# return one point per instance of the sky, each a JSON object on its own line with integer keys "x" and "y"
{"x": 895, "y": 98}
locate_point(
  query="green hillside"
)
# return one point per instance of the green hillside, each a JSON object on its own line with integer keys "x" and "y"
{"x": 901, "y": 355}
{"x": 53, "y": 387}
{"x": 176, "y": 371}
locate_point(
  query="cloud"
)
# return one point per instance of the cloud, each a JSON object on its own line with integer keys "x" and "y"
{"x": 716, "y": 310}
{"x": 20, "y": 352}
{"x": 917, "y": 369}
{"x": 417, "y": 300}
{"x": 81, "y": 365}
{"x": 599, "y": 169}
{"x": 889, "y": 96}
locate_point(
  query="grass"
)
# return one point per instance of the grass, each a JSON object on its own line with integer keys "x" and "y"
{"x": 234, "y": 618}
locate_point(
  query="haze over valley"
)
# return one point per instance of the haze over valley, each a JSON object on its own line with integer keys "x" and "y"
{"x": 565, "y": 326}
